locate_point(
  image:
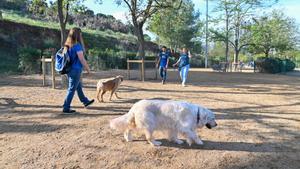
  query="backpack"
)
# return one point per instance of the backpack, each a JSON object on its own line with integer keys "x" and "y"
{"x": 62, "y": 61}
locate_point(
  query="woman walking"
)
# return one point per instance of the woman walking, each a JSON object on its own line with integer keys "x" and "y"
{"x": 75, "y": 47}
{"x": 183, "y": 65}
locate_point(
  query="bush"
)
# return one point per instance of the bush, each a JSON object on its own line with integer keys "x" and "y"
{"x": 28, "y": 59}
{"x": 289, "y": 65}
{"x": 274, "y": 65}
{"x": 108, "y": 59}
{"x": 13, "y": 5}
{"x": 217, "y": 59}
{"x": 197, "y": 61}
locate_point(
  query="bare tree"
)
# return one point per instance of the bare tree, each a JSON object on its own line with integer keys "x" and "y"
{"x": 141, "y": 10}
{"x": 237, "y": 12}
{"x": 63, "y": 18}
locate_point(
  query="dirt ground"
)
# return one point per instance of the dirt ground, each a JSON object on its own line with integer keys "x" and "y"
{"x": 258, "y": 119}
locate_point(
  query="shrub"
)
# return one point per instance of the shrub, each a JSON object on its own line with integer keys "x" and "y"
{"x": 217, "y": 59}
{"x": 274, "y": 65}
{"x": 28, "y": 59}
{"x": 108, "y": 59}
{"x": 289, "y": 65}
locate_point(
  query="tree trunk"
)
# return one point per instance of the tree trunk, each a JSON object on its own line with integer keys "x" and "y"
{"x": 141, "y": 41}
{"x": 62, "y": 34}
{"x": 267, "y": 51}
{"x": 236, "y": 44}
{"x": 62, "y": 22}
{"x": 227, "y": 39}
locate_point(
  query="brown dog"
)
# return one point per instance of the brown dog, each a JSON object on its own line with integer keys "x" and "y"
{"x": 110, "y": 84}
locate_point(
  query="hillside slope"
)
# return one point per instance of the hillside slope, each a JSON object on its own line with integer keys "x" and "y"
{"x": 17, "y": 31}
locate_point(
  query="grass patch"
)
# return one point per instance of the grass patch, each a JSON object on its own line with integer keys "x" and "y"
{"x": 19, "y": 17}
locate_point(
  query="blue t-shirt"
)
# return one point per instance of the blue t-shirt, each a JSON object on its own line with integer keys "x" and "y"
{"x": 76, "y": 64}
{"x": 163, "y": 58}
{"x": 184, "y": 60}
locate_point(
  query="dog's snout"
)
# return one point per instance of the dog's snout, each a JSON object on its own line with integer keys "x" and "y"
{"x": 216, "y": 125}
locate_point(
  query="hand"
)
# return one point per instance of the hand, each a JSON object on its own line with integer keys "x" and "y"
{"x": 166, "y": 67}
{"x": 88, "y": 71}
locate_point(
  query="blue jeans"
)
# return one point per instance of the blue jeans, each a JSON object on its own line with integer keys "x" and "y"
{"x": 184, "y": 73}
{"x": 74, "y": 85}
{"x": 163, "y": 72}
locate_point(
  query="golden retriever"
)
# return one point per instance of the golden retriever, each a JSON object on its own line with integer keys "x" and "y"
{"x": 165, "y": 115}
{"x": 110, "y": 84}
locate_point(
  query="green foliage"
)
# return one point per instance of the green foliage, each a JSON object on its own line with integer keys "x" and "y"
{"x": 217, "y": 59}
{"x": 13, "y": 4}
{"x": 147, "y": 37}
{"x": 274, "y": 65}
{"x": 274, "y": 32}
{"x": 234, "y": 15}
{"x": 268, "y": 65}
{"x": 289, "y": 65}
{"x": 108, "y": 59}
{"x": 20, "y": 18}
{"x": 37, "y": 7}
{"x": 293, "y": 55}
{"x": 176, "y": 27}
{"x": 28, "y": 59}
{"x": 49, "y": 43}
{"x": 197, "y": 61}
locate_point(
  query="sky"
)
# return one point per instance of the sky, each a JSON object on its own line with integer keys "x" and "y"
{"x": 290, "y": 7}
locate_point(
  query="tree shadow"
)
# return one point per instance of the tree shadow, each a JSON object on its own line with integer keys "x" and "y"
{"x": 28, "y": 127}
{"x": 230, "y": 146}
{"x": 252, "y": 91}
{"x": 250, "y": 112}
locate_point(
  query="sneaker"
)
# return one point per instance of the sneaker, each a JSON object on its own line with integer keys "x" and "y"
{"x": 183, "y": 85}
{"x": 69, "y": 111}
{"x": 163, "y": 82}
{"x": 89, "y": 103}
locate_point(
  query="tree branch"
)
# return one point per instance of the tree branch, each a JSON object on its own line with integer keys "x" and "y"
{"x": 129, "y": 6}
{"x": 67, "y": 13}
{"x": 247, "y": 44}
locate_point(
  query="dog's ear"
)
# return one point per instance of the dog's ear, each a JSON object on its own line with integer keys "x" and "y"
{"x": 203, "y": 114}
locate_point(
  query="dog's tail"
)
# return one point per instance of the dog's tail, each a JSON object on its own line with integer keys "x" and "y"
{"x": 127, "y": 121}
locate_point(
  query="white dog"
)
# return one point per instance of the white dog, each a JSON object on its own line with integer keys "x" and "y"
{"x": 165, "y": 115}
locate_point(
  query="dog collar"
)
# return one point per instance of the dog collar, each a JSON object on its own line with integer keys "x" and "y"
{"x": 198, "y": 116}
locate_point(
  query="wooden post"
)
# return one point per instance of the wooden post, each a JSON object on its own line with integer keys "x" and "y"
{"x": 44, "y": 70}
{"x": 143, "y": 70}
{"x": 53, "y": 71}
{"x": 128, "y": 69}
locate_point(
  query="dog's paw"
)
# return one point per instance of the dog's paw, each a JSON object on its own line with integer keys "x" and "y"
{"x": 178, "y": 141}
{"x": 189, "y": 142}
{"x": 155, "y": 143}
{"x": 128, "y": 137}
{"x": 199, "y": 142}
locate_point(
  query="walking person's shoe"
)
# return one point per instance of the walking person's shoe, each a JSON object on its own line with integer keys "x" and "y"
{"x": 69, "y": 111}
{"x": 89, "y": 103}
{"x": 163, "y": 82}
